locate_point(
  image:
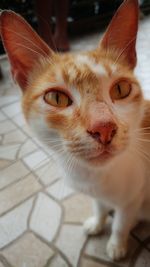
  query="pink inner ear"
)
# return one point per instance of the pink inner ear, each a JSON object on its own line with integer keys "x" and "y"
{"x": 23, "y": 46}
{"x": 122, "y": 31}
{"x": 19, "y": 74}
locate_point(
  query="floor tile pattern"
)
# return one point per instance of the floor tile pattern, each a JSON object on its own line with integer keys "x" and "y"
{"x": 40, "y": 217}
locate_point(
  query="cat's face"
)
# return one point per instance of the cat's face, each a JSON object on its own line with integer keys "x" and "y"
{"x": 83, "y": 105}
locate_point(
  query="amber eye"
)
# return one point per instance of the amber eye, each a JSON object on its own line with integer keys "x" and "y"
{"x": 57, "y": 99}
{"x": 120, "y": 90}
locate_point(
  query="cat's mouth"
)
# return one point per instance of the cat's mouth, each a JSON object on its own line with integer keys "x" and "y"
{"x": 100, "y": 156}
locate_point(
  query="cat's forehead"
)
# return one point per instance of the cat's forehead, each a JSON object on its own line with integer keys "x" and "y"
{"x": 100, "y": 66}
{"x": 84, "y": 70}
{"x": 81, "y": 66}
{"x": 90, "y": 71}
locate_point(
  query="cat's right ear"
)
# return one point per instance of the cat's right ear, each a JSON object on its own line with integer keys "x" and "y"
{"x": 120, "y": 36}
{"x": 23, "y": 46}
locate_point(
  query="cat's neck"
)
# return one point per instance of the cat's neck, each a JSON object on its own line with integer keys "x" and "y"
{"x": 96, "y": 181}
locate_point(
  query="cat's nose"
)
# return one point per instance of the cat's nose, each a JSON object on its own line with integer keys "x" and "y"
{"x": 103, "y": 132}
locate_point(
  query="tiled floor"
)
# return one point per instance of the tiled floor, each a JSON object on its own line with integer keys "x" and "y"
{"x": 40, "y": 218}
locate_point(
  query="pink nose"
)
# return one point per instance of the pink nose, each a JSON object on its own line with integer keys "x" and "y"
{"x": 103, "y": 132}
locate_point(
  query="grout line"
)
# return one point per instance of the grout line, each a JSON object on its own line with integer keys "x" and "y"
{"x": 33, "y": 171}
{"x": 106, "y": 262}
{"x": 31, "y": 211}
{"x": 142, "y": 242}
{"x": 49, "y": 261}
{"x": 52, "y": 197}
{"x": 82, "y": 252}
{"x": 14, "y": 241}
{"x": 1, "y": 142}
{"x": 74, "y": 223}
{"x": 135, "y": 255}
{"x": 10, "y": 103}
{"x": 4, "y": 261}
{"x": 53, "y": 247}
{"x": 18, "y": 204}
{"x": 53, "y": 182}
{"x": 61, "y": 218}
{"x": 18, "y": 179}
{"x": 37, "y": 177}
{"x": 22, "y": 144}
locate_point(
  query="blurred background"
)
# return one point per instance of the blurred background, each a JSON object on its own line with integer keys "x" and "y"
{"x": 81, "y": 16}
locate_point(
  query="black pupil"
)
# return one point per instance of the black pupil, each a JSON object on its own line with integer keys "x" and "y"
{"x": 119, "y": 89}
{"x": 57, "y": 98}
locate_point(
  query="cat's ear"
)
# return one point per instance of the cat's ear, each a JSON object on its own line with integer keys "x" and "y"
{"x": 23, "y": 45}
{"x": 122, "y": 32}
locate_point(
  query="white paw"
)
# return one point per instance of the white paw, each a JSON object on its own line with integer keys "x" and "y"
{"x": 93, "y": 226}
{"x": 116, "y": 251}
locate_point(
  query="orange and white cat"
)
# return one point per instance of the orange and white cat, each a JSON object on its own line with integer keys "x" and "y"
{"x": 89, "y": 109}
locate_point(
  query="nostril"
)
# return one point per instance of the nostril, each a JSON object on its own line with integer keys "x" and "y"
{"x": 95, "y": 135}
{"x": 113, "y": 132}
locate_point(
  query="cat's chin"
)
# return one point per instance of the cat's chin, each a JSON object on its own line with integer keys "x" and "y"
{"x": 100, "y": 160}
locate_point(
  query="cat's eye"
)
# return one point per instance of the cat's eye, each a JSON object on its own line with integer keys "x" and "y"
{"x": 57, "y": 99}
{"x": 120, "y": 90}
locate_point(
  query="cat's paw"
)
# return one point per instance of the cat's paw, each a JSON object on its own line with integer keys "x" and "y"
{"x": 93, "y": 226}
{"x": 116, "y": 251}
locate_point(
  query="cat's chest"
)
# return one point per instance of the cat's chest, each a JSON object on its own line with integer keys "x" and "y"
{"x": 112, "y": 184}
{"x": 96, "y": 183}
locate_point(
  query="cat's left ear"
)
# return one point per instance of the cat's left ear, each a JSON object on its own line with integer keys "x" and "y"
{"x": 121, "y": 33}
{"x": 23, "y": 46}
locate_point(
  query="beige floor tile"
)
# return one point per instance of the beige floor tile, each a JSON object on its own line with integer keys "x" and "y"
{"x": 12, "y": 173}
{"x": 14, "y": 223}
{"x": 5, "y": 100}
{"x": 27, "y": 148}
{"x": 9, "y": 152}
{"x": 60, "y": 190}
{"x": 48, "y": 173}
{"x": 4, "y": 163}
{"x": 14, "y": 137}
{"x": 91, "y": 263}
{"x": 57, "y": 261}
{"x": 77, "y": 208}
{"x": 12, "y": 109}
{"x": 29, "y": 251}
{"x": 36, "y": 159}
{"x": 27, "y": 130}
{"x": 19, "y": 120}
{"x": 2, "y": 117}
{"x": 18, "y": 192}
{"x": 45, "y": 219}
{"x": 6, "y": 127}
{"x": 71, "y": 241}
{"x": 1, "y": 264}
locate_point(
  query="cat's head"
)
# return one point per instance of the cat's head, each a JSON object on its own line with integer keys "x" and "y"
{"x": 83, "y": 105}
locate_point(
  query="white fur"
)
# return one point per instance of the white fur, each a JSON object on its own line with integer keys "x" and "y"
{"x": 99, "y": 69}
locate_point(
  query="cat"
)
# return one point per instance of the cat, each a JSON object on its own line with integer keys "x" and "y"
{"x": 89, "y": 109}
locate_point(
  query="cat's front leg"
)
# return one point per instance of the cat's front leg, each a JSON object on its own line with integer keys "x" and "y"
{"x": 95, "y": 224}
{"x": 124, "y": 221}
